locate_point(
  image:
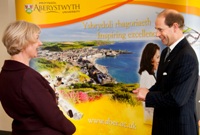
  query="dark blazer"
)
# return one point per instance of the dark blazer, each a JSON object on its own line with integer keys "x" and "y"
{"x": 173, "y": 95}
{"x": 27, "y": 97}
{"x": 198, "y": 99}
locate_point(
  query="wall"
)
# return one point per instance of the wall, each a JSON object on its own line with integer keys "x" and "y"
{"x": 7, "y": 15}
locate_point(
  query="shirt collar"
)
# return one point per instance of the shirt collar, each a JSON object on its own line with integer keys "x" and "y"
{"x": 175, "y": 43}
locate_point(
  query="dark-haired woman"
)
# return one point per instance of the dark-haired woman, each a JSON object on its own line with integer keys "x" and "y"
{"x": 148, "y": 66}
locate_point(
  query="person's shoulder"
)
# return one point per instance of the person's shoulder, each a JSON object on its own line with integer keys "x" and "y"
{"x": 185, "y": 48}
{"x": 32, "y": 73}
{"x": 188, "y": 49}
{"x": 144, "y": 72}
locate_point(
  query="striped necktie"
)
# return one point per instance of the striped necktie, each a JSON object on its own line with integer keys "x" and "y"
{"x": 168, "y": 52}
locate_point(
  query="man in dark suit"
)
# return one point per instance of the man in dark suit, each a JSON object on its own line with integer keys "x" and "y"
{"x": 173, "y": 95}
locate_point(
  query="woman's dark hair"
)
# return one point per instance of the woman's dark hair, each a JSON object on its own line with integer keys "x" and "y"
{"x": 146, "y": 59}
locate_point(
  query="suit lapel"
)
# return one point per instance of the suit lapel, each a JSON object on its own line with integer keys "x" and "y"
{"x": 176, "y": 50}
{"x": 163, "y": 65}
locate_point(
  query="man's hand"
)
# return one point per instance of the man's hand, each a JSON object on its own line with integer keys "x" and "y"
{"x": 141, "y": 93}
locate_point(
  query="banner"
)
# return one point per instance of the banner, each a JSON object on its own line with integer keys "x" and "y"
{"x": 91, "y": 53}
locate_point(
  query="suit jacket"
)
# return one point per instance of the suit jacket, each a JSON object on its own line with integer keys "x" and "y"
{"x": 198, "y": 100}
{"x": 173, "y": 95}
{"x": 27, "y": 97}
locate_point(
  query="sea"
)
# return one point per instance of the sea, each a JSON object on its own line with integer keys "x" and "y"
{"x": 124, "y": 67}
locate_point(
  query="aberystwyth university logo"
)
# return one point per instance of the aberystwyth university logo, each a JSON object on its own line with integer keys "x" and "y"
{"x": 29, "y": 8}
{"x": 51, "y": 13}
{"x": 52, "y": 7}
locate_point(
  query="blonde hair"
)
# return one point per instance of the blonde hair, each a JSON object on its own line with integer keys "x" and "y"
{"x": 18, "y": 35}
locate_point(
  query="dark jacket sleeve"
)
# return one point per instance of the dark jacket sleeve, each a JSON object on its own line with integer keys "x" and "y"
{"x": 41, "y": 98}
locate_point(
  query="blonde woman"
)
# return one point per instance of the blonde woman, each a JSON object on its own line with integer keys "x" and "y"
{"x": 24, "y": 94}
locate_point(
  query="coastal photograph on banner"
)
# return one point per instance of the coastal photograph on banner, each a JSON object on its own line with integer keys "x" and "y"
{"x": 92, "y": 58}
